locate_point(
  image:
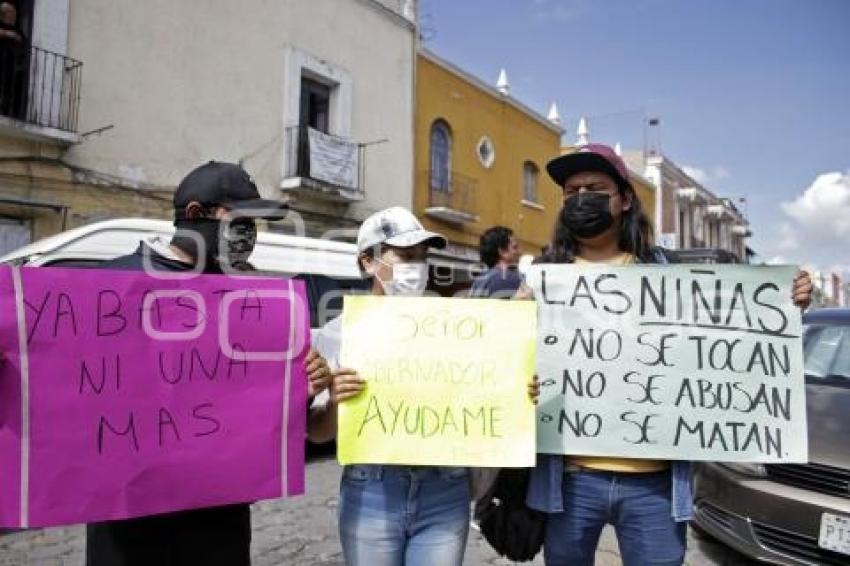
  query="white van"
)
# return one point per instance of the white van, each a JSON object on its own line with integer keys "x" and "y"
{"x": 329, "y": 268}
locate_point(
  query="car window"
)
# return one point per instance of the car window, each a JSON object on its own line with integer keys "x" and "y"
{"x": 826, "y": 352}
{"x": 68, "y": 262}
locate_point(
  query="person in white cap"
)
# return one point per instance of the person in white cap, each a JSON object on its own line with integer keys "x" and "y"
{"x": 393, "y": 515}
{"x": 392, "y": 246}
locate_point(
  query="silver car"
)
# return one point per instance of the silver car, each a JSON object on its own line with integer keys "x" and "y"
{"x": 794, "y": 513}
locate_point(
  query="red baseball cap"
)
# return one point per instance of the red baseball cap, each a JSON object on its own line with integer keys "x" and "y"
{"x": 590, "y": 157}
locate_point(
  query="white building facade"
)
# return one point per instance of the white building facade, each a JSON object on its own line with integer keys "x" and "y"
{"x": 314, "y": 97}
{"x": 689, "y": 216}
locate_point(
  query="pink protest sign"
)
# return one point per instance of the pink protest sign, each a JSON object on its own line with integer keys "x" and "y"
{"x": 124, "y": 395}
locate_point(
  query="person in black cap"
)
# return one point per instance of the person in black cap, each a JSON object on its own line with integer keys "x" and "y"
{"x": 214, "y": 208}
{"x": 648, "y": 502}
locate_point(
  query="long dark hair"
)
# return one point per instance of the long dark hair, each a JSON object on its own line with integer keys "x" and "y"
{"x": 635, "y": 235}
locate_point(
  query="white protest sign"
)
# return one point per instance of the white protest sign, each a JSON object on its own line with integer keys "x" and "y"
{"x": 333, "y": 160}
{"x": 679, "y": 362}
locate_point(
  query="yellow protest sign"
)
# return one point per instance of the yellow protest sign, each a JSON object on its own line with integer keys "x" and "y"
{"x": 446, "y": 382}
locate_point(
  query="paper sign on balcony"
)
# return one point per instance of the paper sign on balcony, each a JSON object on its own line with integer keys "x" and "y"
{"x": 670, "y": 362}
{"x": 333, "y": 160}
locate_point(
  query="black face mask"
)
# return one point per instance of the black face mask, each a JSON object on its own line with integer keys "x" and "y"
{"x": 587, "y": 214}
{"x": 198, "y": 233}
{"x": 238, "y": 239}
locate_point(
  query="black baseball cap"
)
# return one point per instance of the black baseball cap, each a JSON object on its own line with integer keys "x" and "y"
{"x": 216, "y": 183}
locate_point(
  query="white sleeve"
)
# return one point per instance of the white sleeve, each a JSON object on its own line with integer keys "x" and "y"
{"x": 327, "y": 341}
{"x": 321, "y": 399}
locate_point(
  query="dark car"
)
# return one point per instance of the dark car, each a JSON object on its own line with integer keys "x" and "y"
{"x": 794, "y": 513}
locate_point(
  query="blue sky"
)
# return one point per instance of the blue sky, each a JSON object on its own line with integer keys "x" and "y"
{"x": 755, "y": 94}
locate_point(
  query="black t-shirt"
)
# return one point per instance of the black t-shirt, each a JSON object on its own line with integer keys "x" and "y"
{"x": 213, "y": 536}
{"x": 136, "y": 262}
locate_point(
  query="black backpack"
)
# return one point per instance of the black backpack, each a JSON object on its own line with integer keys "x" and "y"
{"x": 512, "y": 528}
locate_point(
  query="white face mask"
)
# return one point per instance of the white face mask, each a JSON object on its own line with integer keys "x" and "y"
{"x": 408, "y": 279}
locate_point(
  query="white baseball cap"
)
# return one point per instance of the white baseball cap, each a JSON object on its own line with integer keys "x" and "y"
{"x": 397, "y": 227}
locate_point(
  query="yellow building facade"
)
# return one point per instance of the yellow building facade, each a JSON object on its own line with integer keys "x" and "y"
{"x": 480, "y": 160}
{"x": 645, "y": 192}
{"x": 643, "y": 187}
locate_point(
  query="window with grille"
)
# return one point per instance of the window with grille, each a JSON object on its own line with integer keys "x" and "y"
{"x": 441, "y": 156}
{"x": 529, "y": 181}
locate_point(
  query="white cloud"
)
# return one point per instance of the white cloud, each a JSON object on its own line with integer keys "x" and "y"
{"x": 815, "y": 227}
{"x": 821, "y": 214}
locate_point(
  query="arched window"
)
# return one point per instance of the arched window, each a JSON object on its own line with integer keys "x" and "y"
{"x": 441, "y": 156}
{"x": 529, "y": 181}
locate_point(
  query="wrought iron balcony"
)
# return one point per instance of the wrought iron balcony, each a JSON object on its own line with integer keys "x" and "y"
{"x": 452, "y": 198}
{"x": 39, "y": 88}
{"x": 323, "y": 165}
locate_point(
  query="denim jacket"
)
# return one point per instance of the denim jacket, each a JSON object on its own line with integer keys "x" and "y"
{"x": 544, "y": 487}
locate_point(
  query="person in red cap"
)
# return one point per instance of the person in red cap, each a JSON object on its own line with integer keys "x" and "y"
{"x": 649, "y": 502}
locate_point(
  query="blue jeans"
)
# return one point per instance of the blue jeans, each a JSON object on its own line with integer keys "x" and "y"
{"x": 637, "y": 505}
{"x": 395, "y": 515}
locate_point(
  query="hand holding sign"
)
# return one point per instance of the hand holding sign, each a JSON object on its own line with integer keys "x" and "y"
{"x": 319, "y": 375}
{"x": 801, "y": 290}
{"x": 346, "y": 385}
{"x": 534, "y": 390}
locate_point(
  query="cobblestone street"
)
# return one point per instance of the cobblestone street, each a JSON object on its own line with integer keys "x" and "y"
{"x": 302, "y": 531}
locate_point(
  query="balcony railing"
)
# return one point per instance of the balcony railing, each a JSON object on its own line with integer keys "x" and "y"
{"x": 452, "y": 198}
{"x": 322, "y": 163}
{"x": 40, "y": 87}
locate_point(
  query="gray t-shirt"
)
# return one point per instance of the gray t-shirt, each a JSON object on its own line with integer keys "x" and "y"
{"x": 497, "y": 283}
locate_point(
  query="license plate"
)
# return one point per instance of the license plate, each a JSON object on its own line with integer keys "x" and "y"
{"x": 835, "y": 533}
